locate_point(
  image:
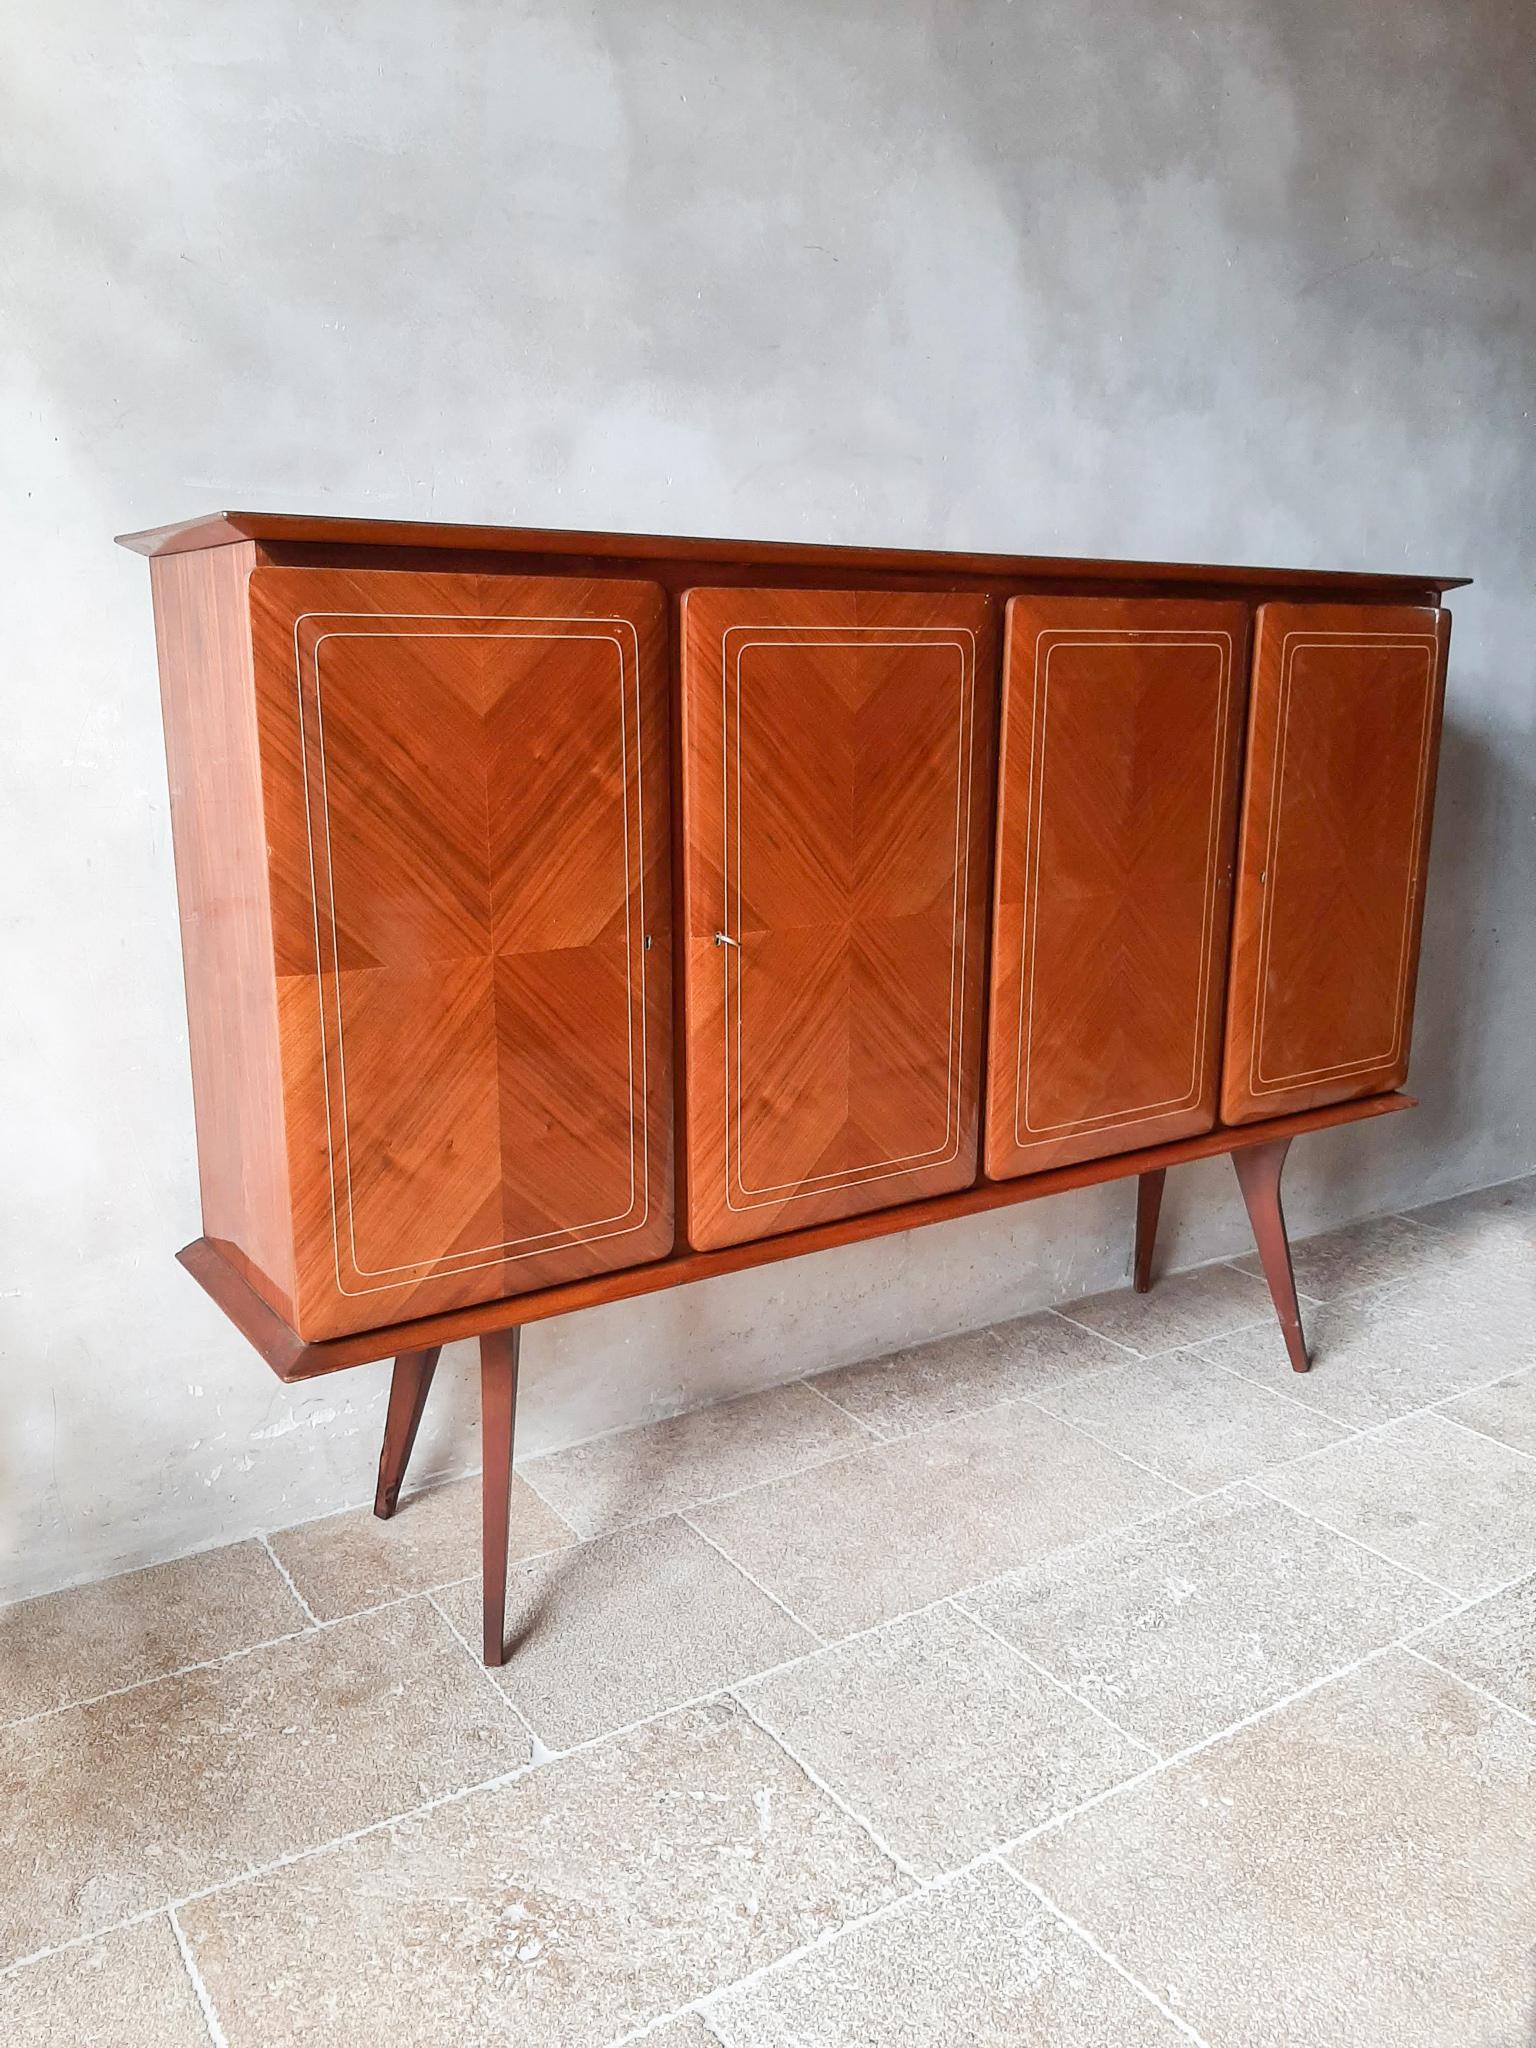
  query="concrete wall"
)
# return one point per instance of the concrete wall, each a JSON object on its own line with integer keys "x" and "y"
{"x": 1230, "y": 279}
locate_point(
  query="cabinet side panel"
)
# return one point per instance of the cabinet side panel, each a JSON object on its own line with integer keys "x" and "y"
{"x": 1343, "y": 742}
{"x": 202, "y": 633}
{"x": 1117, "y": 823}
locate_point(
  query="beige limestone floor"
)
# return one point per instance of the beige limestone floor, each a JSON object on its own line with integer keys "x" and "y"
{"x": 1089, "y": 1680}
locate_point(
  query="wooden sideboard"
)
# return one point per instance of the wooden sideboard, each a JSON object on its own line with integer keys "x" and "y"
{"x": 568, "y": 916}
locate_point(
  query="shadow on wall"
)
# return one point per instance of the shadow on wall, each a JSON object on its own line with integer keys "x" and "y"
{"x": 1486, "y": 796}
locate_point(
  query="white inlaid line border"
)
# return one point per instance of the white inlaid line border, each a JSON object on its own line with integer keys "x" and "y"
{"x": 1218, "y": 641}
{"x": 1260, "y": 1083}
{"x": 471, "y": 1259}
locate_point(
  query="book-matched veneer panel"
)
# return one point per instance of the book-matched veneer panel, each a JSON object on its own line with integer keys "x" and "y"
{"x": 1116, "y": 825}
{"x": 837, "y": 775}
{"x": 1343, "y": 740}
{"x": 466, "y": 790}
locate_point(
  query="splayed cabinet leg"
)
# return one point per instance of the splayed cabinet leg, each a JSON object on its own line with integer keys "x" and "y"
{"x": 1258, "y": 1175}
{"x": 408, "y": 1391}
{"x": 1149, "y": 1201}
{"x": 498, "y": 1410}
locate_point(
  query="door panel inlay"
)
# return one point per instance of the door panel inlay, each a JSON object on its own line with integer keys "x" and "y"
{"x": 481, "y": 765}
{"x": 1118, "y": 809}
{"x": 1341, "y": 760}
{"x": 837, "y": 762}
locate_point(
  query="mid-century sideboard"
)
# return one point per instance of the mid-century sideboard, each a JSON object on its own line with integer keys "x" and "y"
{"x": 568, "y": 916}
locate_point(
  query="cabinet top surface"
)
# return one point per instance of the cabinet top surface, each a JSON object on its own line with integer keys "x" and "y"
{"x": 221, "y": 529}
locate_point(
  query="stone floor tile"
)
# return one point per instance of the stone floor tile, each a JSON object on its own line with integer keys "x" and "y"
{"x": 1188, "y": 1419}
{"x": 908, "y": 1522}
{"x": 1373, "y": 1357}
{"x": 686, "y": 2031}
{"x": 344, "y": 1563}
{"x": 1179, "y": 1628}
{"x": 669, "y": 1465}
{"x": 1358, "y": 1255}
{"x": 977, "y": 1964}
{"x": 625, "y": 1626}
{"x": 1497, "y": 1215}
{"x": 1484, "y": 1308}
{"x": 112, "y": 1808}
{"x": 1492, "y": 1645}
{"x": 940, "y": 1737}
{"x": 1439, "y": 1499}
{"x": 1181, "y": 1309}
{"x": 92, "y": 1639}
{"x": 1358, "y": 1867}
{"x": 566, "y": 1908}
{"x": 130, "y": 1989}
{"x": 1506, "y": 1410}
{"x": 957, "y": 1376}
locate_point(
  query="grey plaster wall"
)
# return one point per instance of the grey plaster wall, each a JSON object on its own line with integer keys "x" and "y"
{"x": 1231, "y": 279}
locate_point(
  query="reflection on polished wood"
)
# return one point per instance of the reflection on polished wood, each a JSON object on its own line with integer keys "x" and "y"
{"x": 837, "y": 789}
{"x": 456, "y": 1085}
{"x": 1343, "y": 739}
{"x": 1113, "y": 897}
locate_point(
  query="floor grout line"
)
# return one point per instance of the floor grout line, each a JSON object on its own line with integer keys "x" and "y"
{"x": 1077, "y": 1429}
{"x": 257, "y": 1871}
{"x": 293, "y": 1635}
{"x": 1033, "y": 1664}
{"x": 488, "y": 1678}
{"x": 200, "y": 1990}
{"x": 1482, "y": 1435}
{"x": 767, "y": 1591}
{"x": 1471, "y": 1684}
{"x": 1089, "y": 1331}
{"x": 877, "y": 1436}
{"x": 829, "y": 1938}
{"x": 1169, "y": 1764}
{"x": 907, "y": 1868}
{"x": 1464, "y": 1605}
{"x": 1436, "y": 1585}
{"x": 95, "y": 1699}
{"x": 422, "y": 1483}
{"x": 287, "y": 1576}
{"x": 1401, "y": 1643}
{"x": 1352, "y": 1431}
{"x": 1105, "y": 1955}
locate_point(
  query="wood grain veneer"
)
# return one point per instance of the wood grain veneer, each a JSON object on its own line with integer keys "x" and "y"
{"x": 426, "y": 882}
{"x": 218, "y": 829}
{"x": 1116, "y": 830}
{"x": 837, "y": 772}
{"x": 1343, "y": 739}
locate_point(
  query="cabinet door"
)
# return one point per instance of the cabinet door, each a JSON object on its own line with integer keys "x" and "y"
{"x": 1343, "y": 736}
{"x": 1117, "y": 818}
{"x": 836, "y": 784}
{"x": 465, "y": 780}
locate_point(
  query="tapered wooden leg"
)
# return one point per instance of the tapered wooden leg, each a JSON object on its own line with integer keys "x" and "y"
{"x": 1258, "y": 1175}
{"x": 498, "y": 1408}
{"x": 408, "y": 1392}
{"x": 1149, "y": 1200}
